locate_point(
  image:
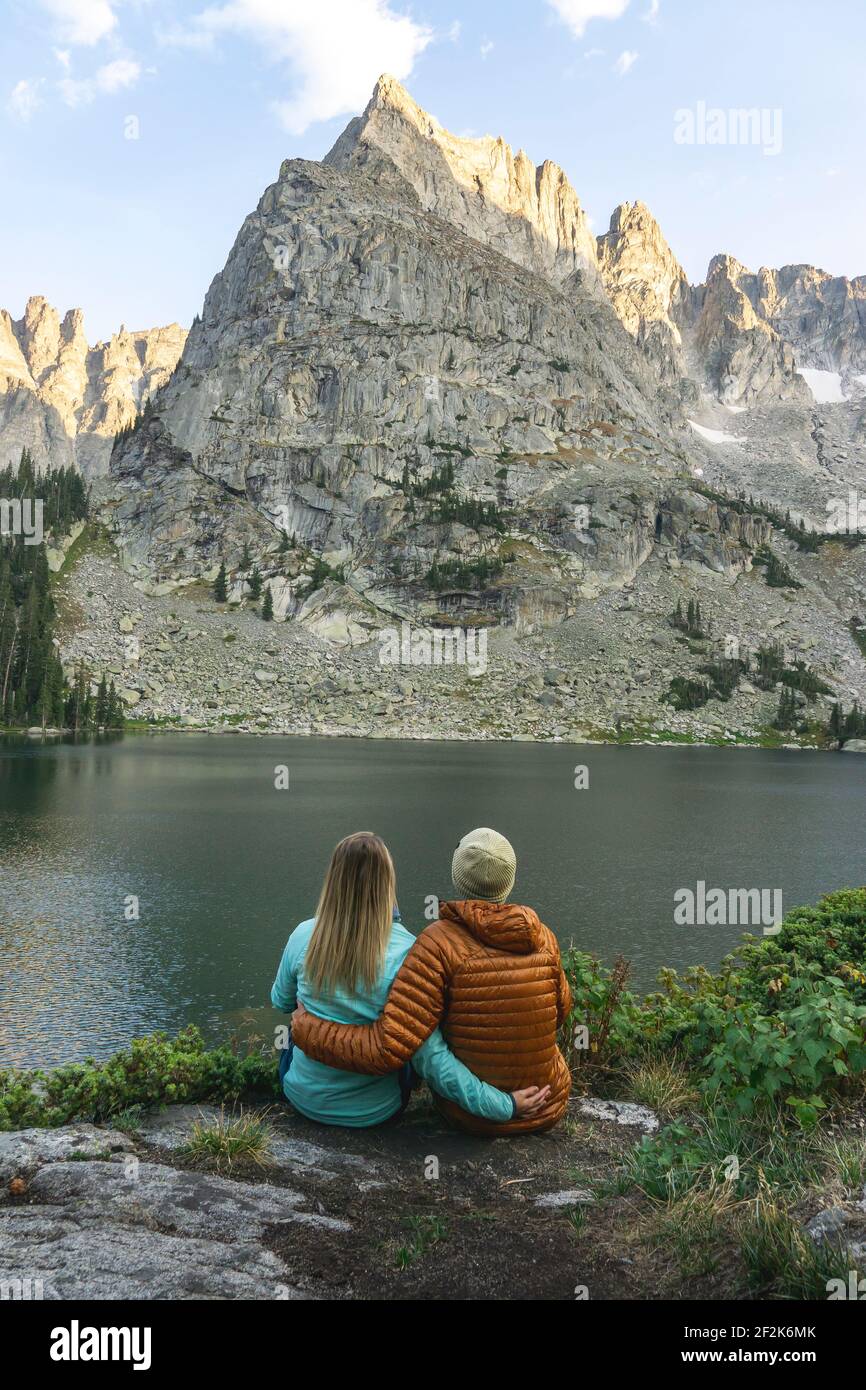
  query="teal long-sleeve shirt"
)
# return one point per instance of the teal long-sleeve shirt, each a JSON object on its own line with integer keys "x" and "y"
{"x": 347, "y": 1098}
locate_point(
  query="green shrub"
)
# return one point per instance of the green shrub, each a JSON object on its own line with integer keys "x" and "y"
{"x": 157, "y": 1070}
{"x": 754, "y": 1056}
{"x": 603, "y": 1007}
{"x": 783, "y": 1021}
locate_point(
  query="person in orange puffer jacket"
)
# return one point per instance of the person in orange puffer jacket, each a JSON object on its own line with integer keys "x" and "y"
{"x": 490, "y": 973}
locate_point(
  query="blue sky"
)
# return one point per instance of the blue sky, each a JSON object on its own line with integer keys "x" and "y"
{"x": 217, "y": 93}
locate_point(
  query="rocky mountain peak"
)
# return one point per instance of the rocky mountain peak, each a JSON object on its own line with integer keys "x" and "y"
{"x": 526, "y": 212}
{"x": 822, "y": 316}
{"x": 65, "y": 400}
{"x": 391, "y": 94}
{"x": 38, "y": 333}
{"x": 744, "y": 358}
{"x": 14, "y": 368}
{"x": 646, "y": 285}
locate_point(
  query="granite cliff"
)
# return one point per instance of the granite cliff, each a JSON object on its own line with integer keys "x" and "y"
{"x": 64, "y": 400}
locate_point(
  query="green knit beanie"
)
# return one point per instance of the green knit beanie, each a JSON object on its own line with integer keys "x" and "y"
{"x": 484, "y": 866}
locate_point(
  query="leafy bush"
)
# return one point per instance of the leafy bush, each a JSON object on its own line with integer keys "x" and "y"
{"x": 156, "y": 1070}
{"x": 782, "y": 1022}
{"x": 602, "y": 1006}
{"x": 754, "y": 1056}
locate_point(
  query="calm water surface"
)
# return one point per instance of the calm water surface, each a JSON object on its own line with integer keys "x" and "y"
{"x": 224, "y": 865}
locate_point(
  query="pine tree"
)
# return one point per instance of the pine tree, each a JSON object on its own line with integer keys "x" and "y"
{"x": 786, "y": 716}
{"x": 114, "y": 718}
{"x": 32, "y": 686}
{"x": 246, "y": 558}
{"x": 255, "y": 583}
{"x": 855, "y": 722}
{"x": 220, "y": 586}
{"x": 837, "y": 722}
{"x": 8, "y": 636}
{"x": 79, "y": 705}
{"x": 268, "y": 604}
{"x": 101, "y": 713}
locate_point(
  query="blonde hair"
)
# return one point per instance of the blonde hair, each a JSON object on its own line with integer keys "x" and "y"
{"x": 353, "y": 918}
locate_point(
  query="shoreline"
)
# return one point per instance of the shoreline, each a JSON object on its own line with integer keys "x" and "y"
{"x": 400, "y": 737}
{"x": 574, "y": 741}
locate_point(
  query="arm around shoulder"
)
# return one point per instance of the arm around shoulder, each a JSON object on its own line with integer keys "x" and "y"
{"x": 413, "y": 1008}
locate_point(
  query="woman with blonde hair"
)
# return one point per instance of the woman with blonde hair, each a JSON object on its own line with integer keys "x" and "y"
{"x": 340, "y": 965}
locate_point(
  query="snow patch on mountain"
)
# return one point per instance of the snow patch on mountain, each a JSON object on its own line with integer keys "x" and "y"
{"x": 716, "y": 436}
{"x": 826, "y": 387}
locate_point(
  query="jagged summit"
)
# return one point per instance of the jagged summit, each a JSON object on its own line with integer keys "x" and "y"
{"x": 821, "y": 316}
{"x": 739, "y": 334}
{"x": 64, "y": 399}
{"x": 647, "y": 286}
{"x": 388, "y": 92}
{"x": 739, "y": 337}
{"x": 528, "y": 212}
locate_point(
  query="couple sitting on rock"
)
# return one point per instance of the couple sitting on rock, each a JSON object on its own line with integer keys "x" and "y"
{"x": 472, "y": 1006}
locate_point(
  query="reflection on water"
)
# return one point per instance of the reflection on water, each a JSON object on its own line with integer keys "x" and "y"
{"x": 224, "y": 865}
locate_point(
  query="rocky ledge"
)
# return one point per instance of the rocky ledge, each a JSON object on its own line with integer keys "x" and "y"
{"x": 152, "y": 1209}
{"x": 408, "y": 1211}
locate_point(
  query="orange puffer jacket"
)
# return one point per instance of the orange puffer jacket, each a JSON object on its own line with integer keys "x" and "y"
{"x": 491, "y": 975}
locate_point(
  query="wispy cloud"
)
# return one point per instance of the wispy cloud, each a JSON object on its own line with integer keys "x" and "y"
{"x": 335, "y": 48}
{"x": 625, "y": 62}
{"x": 578, "y": 13}
{"x": 24, "y": 100}
{"x": 82, "y": 22}
{"x": 652, "y": 13}
{"x": 196, "y": 39}
{"x": 124, "y": 72}
{"x": 113, "y": 77}
{"x": 486, "y": 48}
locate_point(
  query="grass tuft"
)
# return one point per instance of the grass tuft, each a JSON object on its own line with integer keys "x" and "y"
{"x": 661, "y": 1083}
{"x": 425, "y": 1233}
{"x": 244, "y": 1137}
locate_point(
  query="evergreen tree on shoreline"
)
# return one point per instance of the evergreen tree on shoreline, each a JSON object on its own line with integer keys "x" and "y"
{"x": 114, "y": 718}
{"x": 32, "y": 685}
{"x": 101, "y": 711}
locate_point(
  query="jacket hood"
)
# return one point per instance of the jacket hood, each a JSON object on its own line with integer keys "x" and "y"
{"x": 504, "y": 926}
